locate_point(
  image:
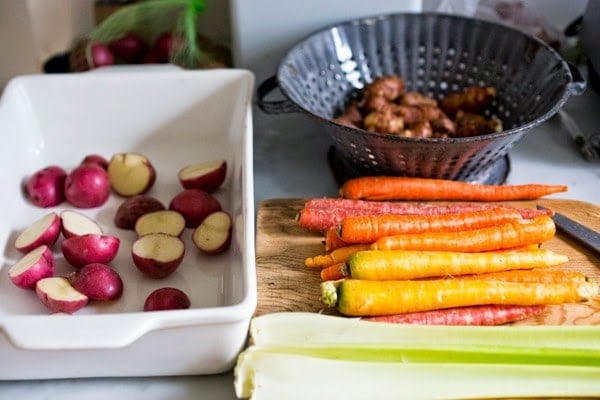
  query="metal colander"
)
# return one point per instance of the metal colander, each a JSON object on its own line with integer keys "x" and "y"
{"x": 435, "y": 54}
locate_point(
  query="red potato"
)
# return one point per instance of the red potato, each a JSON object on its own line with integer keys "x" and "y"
{"x": 44, "y": 231}
{"x": 194, "y": 205}
{"x": 101, "y": 55}
{"x": 158, "y": 255}
{"x": 77, "y": 224}
{"x": 98, "y": 282}
{"x": 57, "y": 294}
{"x": 166, "y": 221}
{"x": 163, "y": 46}
{"x": 131, "y": 174}
{"x": 90, "y": 248}
{"x": 130, "y": 48}
{"x": 167, "y": 298}
{"x": 213, "y": 235}
{"x": 87, "y": 54}
{"x": 33, "y": 266}
{"x": 133, "y": 208}
{"x": 95, "y": 159}
{"x": 46, "y": 187}
{"x": 207, "y": 176}
{"x": 87, "y": 186}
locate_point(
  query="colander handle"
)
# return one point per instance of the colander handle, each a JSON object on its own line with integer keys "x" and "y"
{"x": 579, "y": 84}
{"x": 275, "y": 106}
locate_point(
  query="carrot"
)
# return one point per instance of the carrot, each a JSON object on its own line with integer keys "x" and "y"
{"x": 406, "y": 188}
{"x": 474, "y": 315}
{"x": 333, "y": 272}
{"x": 361, "y": 298}
{"x": 322, "y": 213}
{"x": 337, "y": 256}
{"x": 379, "y": 265}
{"x": 367, "y": 229}
{"x": 509, "y": 235}
{"x": 531, "y": 276}
{"x": 333, "y": 240}
{"x": 387, "y": 207}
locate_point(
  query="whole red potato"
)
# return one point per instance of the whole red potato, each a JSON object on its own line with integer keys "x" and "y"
{"x": 167, "y": 298}
{"x": 45, "y": 188}
{"x": 98, "y": 282}
{"x": 195, "y": 205}
{"x": 164, "y": 46}
{"x": 95, "y": 159}
{"x": 87, "y": 186}
{"x": 130, "y": 48}
{"x": 101, "y": 55}
{"x": 88, "y": 54}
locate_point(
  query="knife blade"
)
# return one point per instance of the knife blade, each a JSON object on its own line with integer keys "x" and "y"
{"x": 577, "y": 231}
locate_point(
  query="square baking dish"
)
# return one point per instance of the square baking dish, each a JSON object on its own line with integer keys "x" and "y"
{"x": 175, "y": 117}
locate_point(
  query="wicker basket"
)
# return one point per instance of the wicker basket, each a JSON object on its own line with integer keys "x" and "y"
{"x": 435, "y": 54}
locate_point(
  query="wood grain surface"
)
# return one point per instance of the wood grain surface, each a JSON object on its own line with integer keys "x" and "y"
{"x": 285, "y": 284}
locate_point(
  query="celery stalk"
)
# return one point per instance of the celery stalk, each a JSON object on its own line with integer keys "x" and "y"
{"x": 299, "y": 328}
{"x": 263, "y": 375}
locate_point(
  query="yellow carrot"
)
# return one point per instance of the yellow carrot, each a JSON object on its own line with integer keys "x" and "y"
{"x": 361, "y": 298}
{"x": 532, "y": 276}
{"x": 337, "y": 256}
{"x": 504, "y": 236}
{"x": 412, "y": 264}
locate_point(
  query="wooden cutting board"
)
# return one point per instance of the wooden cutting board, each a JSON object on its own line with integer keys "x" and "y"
{"x": 285, "y": 284}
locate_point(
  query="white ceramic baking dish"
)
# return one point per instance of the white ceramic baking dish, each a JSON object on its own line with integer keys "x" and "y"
{"x": 175, "y": 117}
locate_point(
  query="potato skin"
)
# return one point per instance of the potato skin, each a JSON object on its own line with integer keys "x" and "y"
{"x": 45, "y": 188}
{"x": 87, "y": 186}
{"x": 195, "y": 205}
{"x": 134, "y": 207}
{"x": 90, "y": 248}
{"x": 166, "y": 298}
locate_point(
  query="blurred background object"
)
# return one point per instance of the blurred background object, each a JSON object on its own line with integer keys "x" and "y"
{"x": 33, "y": 30}
{"x": 590, "y": 31}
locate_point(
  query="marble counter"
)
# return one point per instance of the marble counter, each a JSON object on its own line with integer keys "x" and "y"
{"x": 290, "y": 162}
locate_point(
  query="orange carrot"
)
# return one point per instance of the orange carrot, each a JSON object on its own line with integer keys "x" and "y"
{"x": 382, "y": 265}
{"x": 484, "y": 315}
{"x": 531, "y": 276}
{"x": 334, "y": 272}
{"x": 337, "y": 256}
{"x": 361, "y": 298}
{"x": 367, "y": 229}
{"x": 405, "y": 188}
{"x": 322, "y": 213}
{"x": 504, "y": 236}
{"x": 333, "y": 240}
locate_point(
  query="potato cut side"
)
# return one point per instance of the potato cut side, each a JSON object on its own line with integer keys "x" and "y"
{"x": 213, "y": 235}
{"x": 27, "y": 261}
{"x": 77, "y": 224}
{"x": 159, "y": 247}
{"x": 45, "y": 231}
{"x": 59, "y": 288}
{"x": 167, "y": 221}
{"x": 130, "y": 174}
{"x": 200, "y": 169}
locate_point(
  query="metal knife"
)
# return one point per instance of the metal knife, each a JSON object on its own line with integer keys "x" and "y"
{"x": 577, "y": 231}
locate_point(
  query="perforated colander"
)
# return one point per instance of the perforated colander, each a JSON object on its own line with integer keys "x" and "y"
{"x": 435, "y": 54}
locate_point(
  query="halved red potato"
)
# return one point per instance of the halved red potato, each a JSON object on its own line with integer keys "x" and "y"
{"x": 158, "y": 255}
{"x": 59, "y": 296}
{"x": 44, "y": 231}
{"x": 207, "y": 176}
{"x": 33, "y": 266}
